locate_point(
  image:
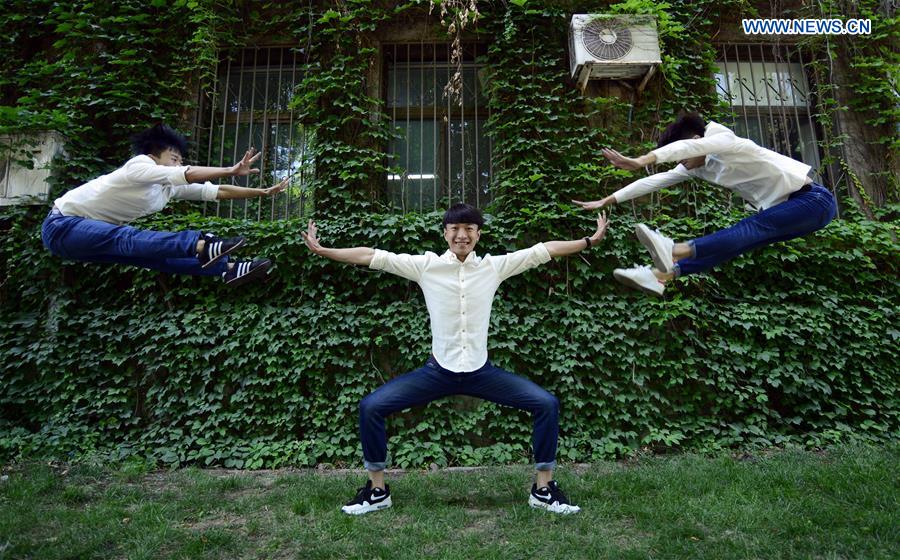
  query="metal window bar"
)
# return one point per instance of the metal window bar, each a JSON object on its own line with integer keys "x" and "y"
{"x": 449, "y": 143}
{"x": 237, "y": 125}
{"x": 287, "y": 198}
{"x": 421, "y": 188}
{"x": 405, "y": 182}
{"x": 434, "y": 127}
{"x": 222, "y": 139}
{"x": 780, "y": 91}
{"x": 462, "y": 135}
{"x": 275, "y": 143}
{"x": 776, "y": 143}
{"x": 264, "y": 148}
{"x": 394, "y": 118}
{"x": 762, "y": 134}
{"x": 477, "y": 167}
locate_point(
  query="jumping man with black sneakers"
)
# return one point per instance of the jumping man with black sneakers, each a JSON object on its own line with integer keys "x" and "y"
{"x": 787, "y": 201}
{"x": 459, "y": 289}
{"x": 87, "y": 223}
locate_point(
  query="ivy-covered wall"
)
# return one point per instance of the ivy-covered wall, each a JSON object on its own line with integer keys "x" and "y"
{"x": 794, "y": 344}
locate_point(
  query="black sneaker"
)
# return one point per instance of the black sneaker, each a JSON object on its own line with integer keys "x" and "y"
{"x": 369, "y": 499}
{"x": 245, "y": 271}
{"x": 551, "y": 498}
{"x": 215, "y": 248}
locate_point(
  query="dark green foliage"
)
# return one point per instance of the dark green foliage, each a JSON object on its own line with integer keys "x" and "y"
{"x": 796, "y": 343}
{"x": 793, "y": 344}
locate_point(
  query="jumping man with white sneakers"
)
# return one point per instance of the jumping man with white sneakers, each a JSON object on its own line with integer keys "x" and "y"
{"x": 788, "y": 202}
{"x": 88, "y": 222}
{"x": 459, "y": 289}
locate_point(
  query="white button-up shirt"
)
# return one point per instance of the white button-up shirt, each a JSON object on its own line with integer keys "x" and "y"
{"x": 459, "y": 297}
{"x": 761, "y": 177}
{"x": 138, "y": 188}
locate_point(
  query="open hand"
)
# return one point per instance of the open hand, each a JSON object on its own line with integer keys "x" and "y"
{"x": 311, "y": 238}
{"x": 595, "y": 204}
{"x": 620, "y": 161}
{"x": 245, "y": 166}
{"x": 277, "y": 188}
{"x": 602, "y": 225}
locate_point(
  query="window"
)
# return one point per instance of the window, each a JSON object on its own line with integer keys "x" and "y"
{"x": 249, "y": 105}
{"x": 441, "y": 154}
{"x": 769, "y": 96}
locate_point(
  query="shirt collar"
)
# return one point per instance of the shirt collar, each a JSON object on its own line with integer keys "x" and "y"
{"x": 451, "y": 257}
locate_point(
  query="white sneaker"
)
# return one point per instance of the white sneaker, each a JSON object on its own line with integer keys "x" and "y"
{"x": 640, "y": 277}
{"x": 659, "y": 245}
{"x": 368, "y": 499}
{"x": 552, "y": 499}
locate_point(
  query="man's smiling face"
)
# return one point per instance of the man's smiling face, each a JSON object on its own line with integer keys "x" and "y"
{"x": 461, "y": 238}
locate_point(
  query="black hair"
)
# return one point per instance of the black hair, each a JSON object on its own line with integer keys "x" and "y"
{"x": 157, "y": 139}
{"x": 685, "y": 127}
{"x": 463, "y": 214}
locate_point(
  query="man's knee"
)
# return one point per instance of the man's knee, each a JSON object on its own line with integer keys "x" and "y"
{"x": 548, "y": 404}
{"x": 369, "y": 406}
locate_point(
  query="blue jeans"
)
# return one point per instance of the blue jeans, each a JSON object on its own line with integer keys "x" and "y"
{"x": 83, "y": 239}
{"x": 431, "y": 382}
{"x": 802, "y": 213}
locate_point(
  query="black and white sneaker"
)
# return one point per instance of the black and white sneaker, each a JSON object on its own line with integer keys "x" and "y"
{"x": 369, "y": 499}
{"x": 245, "y": 271}
{"x": 216, "y": 248}
{"x": 551, "y": 498}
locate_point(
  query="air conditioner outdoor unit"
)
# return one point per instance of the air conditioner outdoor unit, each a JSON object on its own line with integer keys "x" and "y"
{"x": 23, "y": 181}
{"x": 605, "y": 46}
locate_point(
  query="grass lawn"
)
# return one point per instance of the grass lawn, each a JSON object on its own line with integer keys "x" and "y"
{"x": 842, "y": 503}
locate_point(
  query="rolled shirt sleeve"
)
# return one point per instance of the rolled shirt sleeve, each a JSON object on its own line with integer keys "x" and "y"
{"x": 406, "y": 266}
{"x": 519, "y": 261}
{"x": 144, "y": 170}
{"x": 652, "y": 183}
{"x": 196, "y": 191}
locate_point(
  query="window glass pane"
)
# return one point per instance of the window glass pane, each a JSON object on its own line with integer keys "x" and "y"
{"x": 769, "y": 98}
{"x": 250, "y": 106}
{"x": 441, "y": 153}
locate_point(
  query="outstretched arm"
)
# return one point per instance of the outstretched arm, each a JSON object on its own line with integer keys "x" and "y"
{"x": 197, "y": 174}
{"x": 356, "y": 255}
{"x": 625, "y": 162}
{"x": 640, "y": 187}
{"x": 563, "y": 248}
{"x": 233, "y": 191}
{"x": 622, "y": 162}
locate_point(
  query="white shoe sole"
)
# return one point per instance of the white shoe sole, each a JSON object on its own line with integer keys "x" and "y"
{"x": 632, "y": 283}
{"x": 223, "y": 253}
{"x": 360, "y": 510}
{"x": 650, "y": 240}
{"x": 562, "y": 509}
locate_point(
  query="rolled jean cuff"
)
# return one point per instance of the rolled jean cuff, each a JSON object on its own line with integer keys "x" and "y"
{"x": 374, "y": 467}
{"x": 545, "y": 466}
